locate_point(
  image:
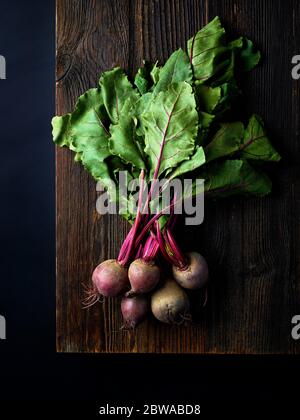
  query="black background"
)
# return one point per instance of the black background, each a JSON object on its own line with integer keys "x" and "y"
{"x": 30, "y": 369}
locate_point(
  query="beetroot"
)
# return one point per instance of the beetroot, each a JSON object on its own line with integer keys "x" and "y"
{"x": 143, "y": 276}
{"x": 134, "y": 311}
{"x": 170, "y": 303}
{"x": 194, "y": 275}
{"x": 110, "y": 278}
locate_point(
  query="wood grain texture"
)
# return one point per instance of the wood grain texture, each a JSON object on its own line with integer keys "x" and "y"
{"x": 251, "y": 245}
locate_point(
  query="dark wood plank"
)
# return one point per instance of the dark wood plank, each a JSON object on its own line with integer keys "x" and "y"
{"x": 251, "y": 245}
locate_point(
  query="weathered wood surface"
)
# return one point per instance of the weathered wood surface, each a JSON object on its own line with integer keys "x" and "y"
{"x": 251, "y": 245}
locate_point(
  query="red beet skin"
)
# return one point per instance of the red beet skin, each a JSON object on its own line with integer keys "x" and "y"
{"x": 143, "y": 276}
{"x": 134, "y": 310}
{"x": 110, "y": 278}
{"x": 195, "y": 275}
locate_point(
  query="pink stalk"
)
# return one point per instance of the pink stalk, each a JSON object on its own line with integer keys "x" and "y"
{"x": 130, "y": 240}
{"x": 180, "y": 258}
{"x": 125, "y": 244}
{"x": 172, "y": 222}
{"x": 150, "y": 223}
{"x": 151, "y": 247}
{"x": 162, "y": 247}
{"x": 173, "y": 217}
{"x": 147, "y": 245}
{"x": 139, "y": 252}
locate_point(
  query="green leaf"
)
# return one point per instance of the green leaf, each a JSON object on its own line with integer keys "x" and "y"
{"x": 196, "y": 160}
{"x": 229, "y": 93}
{"x": 116, "y": 88}
{"x": 226, "y": 141}
{"x": 205, "y": 120}
{"x": 208, "y": 97}
{"x": 177, "y": 69}
{"x": 242, "y": 57}
{"x": 226, "y": 69}
{"x": 146, "y": 77}
{"x": 61, "y": 130}
{"x": 214, "y": 59}
{"x": 212, "y": 103}
{"x": 216, "y": 100}
{"x": 170, "y": 127}
{"x": 89, "y": 137}
{"x": 141, "y": 81}
{"x": 84, "y": 132}
{"x": 116, "y": 165}
{"x": 141, "y": 107}
{"x": 155, "y": 73}
{"x": 248, "y": 57}
{"x": 236, "y": 44}
{"x": 124, "y": 141}
{"x": 162, "y": 221}
{"x": 255, "y": 144}
{"x": 234, "y": 177}
{"x": 207, "y": 51}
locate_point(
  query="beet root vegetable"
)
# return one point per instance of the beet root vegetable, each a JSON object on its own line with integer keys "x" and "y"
{"x": 134, "y": 310}
{"x": 110, "y": 278}
{"x": 195, "y": 275}
{"x": 143, "y": 276}
{"x": 170, "y": 303}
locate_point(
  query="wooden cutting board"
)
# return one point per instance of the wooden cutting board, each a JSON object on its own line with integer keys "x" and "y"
{"x": 252, "y": 245}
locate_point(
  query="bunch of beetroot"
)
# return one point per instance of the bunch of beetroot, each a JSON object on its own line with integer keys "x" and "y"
{"x": 138, "y": 273}
{"x": 174, "y": 122}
